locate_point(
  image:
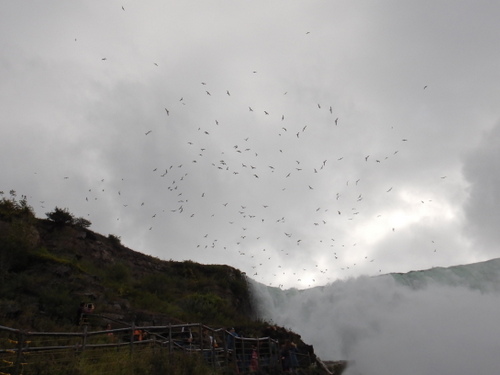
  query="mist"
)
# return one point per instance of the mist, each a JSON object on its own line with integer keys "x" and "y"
{"x": 382, "y": 326}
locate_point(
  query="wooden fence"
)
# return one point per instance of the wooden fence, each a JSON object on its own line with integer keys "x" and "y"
{"x": 217, "y": 346}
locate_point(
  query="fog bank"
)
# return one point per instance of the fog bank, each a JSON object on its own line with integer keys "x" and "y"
{"x": 435, "y": 321}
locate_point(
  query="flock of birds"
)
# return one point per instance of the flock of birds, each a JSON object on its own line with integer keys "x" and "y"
{"x": 236, "y": 197}
{"x": 260, "y": 185}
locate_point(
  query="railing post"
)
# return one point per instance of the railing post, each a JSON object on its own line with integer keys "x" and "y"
{"x": 154, "y": 343}
{"x": 226, "y": 348}
{"x": 132, "y": 330}
{"x": 212, "y": 348}
{"x": 169, "y": 338}
{"x": 84, "y": 337}
{"x": 19, "y": 356}
{"x": 258, "y": 355}
{"x": 200, "y": 329}
{"x": 243, "y": 355}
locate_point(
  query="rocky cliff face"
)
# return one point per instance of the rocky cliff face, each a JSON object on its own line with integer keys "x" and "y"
{"x": 45, "y": 265}
{"x": 48, "y": 269}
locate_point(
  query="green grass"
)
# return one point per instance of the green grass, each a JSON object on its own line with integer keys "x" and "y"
{"x": 113, "y": 361}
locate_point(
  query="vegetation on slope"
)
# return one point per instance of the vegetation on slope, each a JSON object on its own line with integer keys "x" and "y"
{"x": 48, "y": 267}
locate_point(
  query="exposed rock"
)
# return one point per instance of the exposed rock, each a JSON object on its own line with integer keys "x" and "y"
{"x": 66, "y": 265}
{"x": 336, "y": 367}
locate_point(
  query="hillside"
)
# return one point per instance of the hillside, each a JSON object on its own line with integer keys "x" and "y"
{"x": 49, "y": 266}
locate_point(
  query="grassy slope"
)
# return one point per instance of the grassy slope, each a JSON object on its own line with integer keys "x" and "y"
{"x": 48, "y": 267}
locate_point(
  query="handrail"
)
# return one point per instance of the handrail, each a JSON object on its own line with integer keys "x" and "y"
{"x": 246, "y": 353}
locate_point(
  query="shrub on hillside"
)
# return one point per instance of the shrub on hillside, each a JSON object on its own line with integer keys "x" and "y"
{"x": 82, "y": 223}
{"x": 11, "y": 208}
{"x": 115, "y": 240}
{"x": 61, "y": 216}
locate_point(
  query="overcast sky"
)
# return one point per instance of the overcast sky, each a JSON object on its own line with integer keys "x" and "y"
{"x": 299, "y": 141}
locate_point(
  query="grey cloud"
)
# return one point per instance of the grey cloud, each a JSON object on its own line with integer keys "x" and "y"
{"x": 481, "y": 170}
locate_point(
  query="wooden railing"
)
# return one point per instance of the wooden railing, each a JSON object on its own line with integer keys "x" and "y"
{"x": 217, "y": 346}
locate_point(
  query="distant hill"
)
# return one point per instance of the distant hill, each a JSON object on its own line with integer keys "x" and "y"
{"x": 482, "y": 276}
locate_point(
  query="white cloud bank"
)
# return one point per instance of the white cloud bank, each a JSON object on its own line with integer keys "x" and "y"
{"x": 383, "y": 327}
